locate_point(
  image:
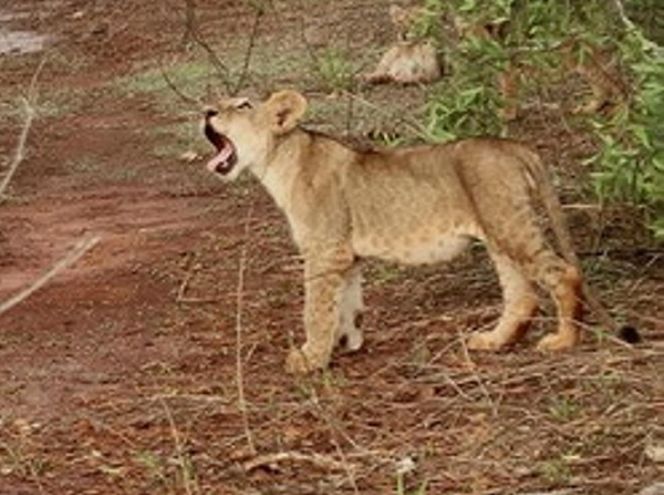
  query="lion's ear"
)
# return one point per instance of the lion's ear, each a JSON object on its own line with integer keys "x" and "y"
{"x": 285, "y": 109}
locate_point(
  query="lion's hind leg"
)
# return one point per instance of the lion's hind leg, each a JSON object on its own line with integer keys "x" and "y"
{"x": 511, "y": 229}
{"x": 564, "y": 282}
{"x": 520, "y": 305}
{"x": 350, "y": 334}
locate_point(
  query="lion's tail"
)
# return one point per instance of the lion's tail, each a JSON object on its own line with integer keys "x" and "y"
{"x": 543, "y": 185}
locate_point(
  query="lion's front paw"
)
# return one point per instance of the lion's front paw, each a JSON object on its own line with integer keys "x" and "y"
{"x": 297, "y": 363}
{"x": 484, "y": 341}
{"x": 300, "y": 363}
{"x": 557, "y": 342}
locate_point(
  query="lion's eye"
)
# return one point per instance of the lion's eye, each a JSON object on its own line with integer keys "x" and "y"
{"x": 244, "y": 105}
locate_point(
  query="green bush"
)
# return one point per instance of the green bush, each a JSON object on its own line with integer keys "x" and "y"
{"x": 629, "y": 166}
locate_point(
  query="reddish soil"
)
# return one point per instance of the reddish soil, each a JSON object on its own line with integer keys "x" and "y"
{"x": 121, "y": 374}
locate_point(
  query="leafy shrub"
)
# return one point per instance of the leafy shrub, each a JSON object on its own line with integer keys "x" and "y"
{"x": 335, "y": 70}
{"x": 630, "y": 164}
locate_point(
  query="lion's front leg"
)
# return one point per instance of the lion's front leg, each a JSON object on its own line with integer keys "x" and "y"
{"x": 324, "y": 283}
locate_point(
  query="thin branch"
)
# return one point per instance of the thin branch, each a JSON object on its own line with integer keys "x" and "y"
{"x": 29, "y": 104}
{"x": 623, "y": 16}
{"x": 192, "y": 30}
{"x": 190, "y": 100}
{"x": 630, "y": 26}
{"x": 250, "y": 48}
{"x": 335, "y": 428}
{"x": 224, "y": 73}
{"x": 305, "y": 41}
{"x": 179, "y": 448}
{"x": 82, "y": 247}
{"x": 239, "y": 307}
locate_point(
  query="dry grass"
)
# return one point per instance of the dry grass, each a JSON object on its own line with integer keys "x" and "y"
{"x": 412, "y": 413}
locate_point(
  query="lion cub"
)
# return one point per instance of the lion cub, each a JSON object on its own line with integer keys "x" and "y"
{"x": 408, "y": 61}
{"x": 414, "y": 205}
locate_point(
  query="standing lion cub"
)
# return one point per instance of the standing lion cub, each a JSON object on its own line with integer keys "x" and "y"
{"x": 414, "y": 205}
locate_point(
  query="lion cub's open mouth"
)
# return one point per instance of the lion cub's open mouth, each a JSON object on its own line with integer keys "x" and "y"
{"x": 223, "y": 162}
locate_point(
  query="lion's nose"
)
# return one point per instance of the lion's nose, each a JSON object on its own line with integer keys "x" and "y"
{"x": 210, "y": 112}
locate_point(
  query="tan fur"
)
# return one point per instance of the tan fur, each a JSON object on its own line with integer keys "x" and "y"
{"x": 408, "y": 61}
{"x": 403, "y": 19}
{"x": 598, "y": 69}
{"x": 412, "y": 205}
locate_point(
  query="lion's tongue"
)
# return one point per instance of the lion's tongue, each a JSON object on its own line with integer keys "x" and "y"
{"x": 220, "y": 160}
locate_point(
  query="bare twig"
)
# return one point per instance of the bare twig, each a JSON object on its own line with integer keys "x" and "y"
{"x": 250, "y": 48}
{"x": 189, "y": 24}
{"x": 623, "y": 16}
{"x": 76, "y": 253}
{"x": 347, "y": 467}
{"x": 190, "y": 100}
{"x": 181, "y": 297}
{"x": 476, "y": 375}
{"x": 318, "y": 460}
{"x": 179, "y": 449}
{"x": 239, "y": 307}
{"x": 305, "y": 41}
{"x": 29, "y": 103}
{"x": 629, "y": 25}
{"x": 192, "y": 33}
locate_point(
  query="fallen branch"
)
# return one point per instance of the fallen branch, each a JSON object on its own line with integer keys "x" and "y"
{"x": 82, "y": 247}
{"x": 29, "y": 104}
{"x": 321, "y": 461}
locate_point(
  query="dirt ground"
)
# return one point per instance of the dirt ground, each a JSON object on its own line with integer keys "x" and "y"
{"x": 122, "y": 375}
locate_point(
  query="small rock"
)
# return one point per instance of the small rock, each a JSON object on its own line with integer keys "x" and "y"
{"x": 23, "y": 426}
{"x": 655, "y": 452}
{"x": 405, "y": 465}
{"x": 655, "y": 489}
{"x": 78, "y": 14}
{"x": 189, "y": 156}
{"x": 100, "y": 29}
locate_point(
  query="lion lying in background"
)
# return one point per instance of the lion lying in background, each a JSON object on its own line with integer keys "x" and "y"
{"x": 413, "y": 59}
{"x": 413, "y": 205}
{"x": 408, "y": 61}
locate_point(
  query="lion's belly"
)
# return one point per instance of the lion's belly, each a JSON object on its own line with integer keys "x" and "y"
{"x": 413, "y": 248}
